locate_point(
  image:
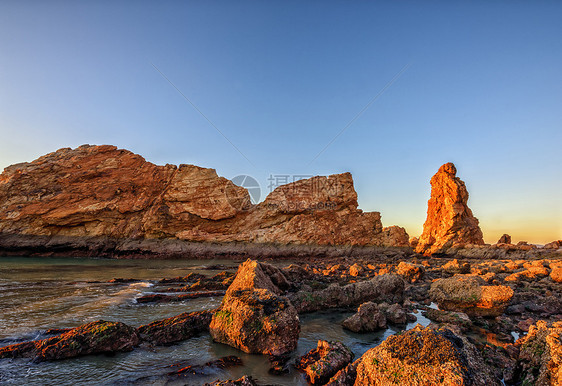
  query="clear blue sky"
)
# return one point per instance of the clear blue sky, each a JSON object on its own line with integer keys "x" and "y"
{"x": 280, "y": 79}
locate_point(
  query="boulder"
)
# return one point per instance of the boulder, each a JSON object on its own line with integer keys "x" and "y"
{"x": 394, "y": 313}
{"x": 454, "y": 267}
{"x": 450, "y": 222}
{"x": 325, "y": 361}
{"x": 540, "y": 354}
{"x": 176, "y": 328}
{"x": 256, "y": 321}
{"x": 505, "y": 239}
{"x": 410, "y": 272}
{"x": 367, "y": 319}
{"x": 467, "y": 294}
{"x": 553, "y": 245}
{"x": 92, "y": 338}
{"x": 424, "y": 356}
{"x": 253, "y": 275}
{"x": 388, "y": 287}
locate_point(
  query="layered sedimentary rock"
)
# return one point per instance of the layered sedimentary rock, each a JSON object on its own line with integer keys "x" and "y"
{"x": 102, "y": 191}
{"x": 450, "y": 222}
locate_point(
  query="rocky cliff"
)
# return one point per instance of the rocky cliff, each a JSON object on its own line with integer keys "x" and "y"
{"x": 450, "y": 222}
{"x": 107, "y": 193}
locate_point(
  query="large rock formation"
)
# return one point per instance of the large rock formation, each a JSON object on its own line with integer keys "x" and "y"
{"x": 105, "y": 192}
{"x": 449, "y": 222}
{"x": 424, "y": 357}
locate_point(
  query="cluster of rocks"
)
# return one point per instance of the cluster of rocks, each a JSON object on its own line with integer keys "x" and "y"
{"x": 468, "y": 343}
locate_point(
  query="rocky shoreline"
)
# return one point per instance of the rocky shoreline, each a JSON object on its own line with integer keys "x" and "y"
{"x": 496, "y": 321}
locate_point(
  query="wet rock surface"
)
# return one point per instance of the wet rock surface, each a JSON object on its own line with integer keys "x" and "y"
{"x": 368, "y": 318}
{"x": 93, "y": 338}
{"x": 176, "y": 328}
{"x": 325, "y": 361}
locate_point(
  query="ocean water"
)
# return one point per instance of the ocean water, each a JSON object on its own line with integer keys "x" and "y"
{"x": 37, "y": 294}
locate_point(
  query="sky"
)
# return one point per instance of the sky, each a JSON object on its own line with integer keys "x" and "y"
{"x": 269, "y": 88}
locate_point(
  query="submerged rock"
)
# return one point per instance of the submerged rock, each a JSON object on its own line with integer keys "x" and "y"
{"x": 468, "y": 295}
{"x": 175, "y": 329}
{"x": 324, "y": 361}
{"x": 221, "y": 363}
{"x": 367, "y": 319}
{"x": 92, "y": 338}
{"x": 450, "y": 222}
{"x": 424, "y": 357}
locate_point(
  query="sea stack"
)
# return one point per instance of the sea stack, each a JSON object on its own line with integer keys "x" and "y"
{"x": 450, "y": 222}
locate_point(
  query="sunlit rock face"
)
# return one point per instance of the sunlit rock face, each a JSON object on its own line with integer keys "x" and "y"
{"x": 450, "y": 222}
{"x": 109, "y": 192}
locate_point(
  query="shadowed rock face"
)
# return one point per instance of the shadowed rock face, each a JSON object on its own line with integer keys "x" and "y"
{"x": 102, "y": 191}
{"x": 449, "y": 222}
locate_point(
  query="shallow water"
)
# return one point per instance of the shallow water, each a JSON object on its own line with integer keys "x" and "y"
{"x": 41, "y": 293}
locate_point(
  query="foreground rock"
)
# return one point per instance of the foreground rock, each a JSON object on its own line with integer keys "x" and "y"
{"x": 540, "y": 355}
{"x": 450, "y": 222}
{"x": 122, "y": 200}
{"x": 176, "y": 328}
{"x": 253, "y": 315}
{"x": 92, "y": 338}
{"x": 424, "y": 357}
{"x": 256, "y": 321}
{"x": 367, "y": 319}
{"x": 467, "y": 294}
{"x": 324, "y": 361}
{"x": 388, "y": 287}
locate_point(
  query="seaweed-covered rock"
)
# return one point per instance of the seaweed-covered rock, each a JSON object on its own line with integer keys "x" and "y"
{"x": 540, "y": 355}
{"x": 424, "y": 357}
{"x": 91, "y": 338}
{"x": 324, "y": 361}
{"x": 176, "y": 328}
{"x": 468, "y": 295}
{"x": 367, "y": 319}
{"x": 256, "y": 321}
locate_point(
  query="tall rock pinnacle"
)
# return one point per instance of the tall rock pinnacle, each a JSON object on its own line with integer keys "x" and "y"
{"x": 449, "y": 222}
